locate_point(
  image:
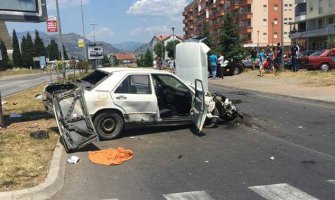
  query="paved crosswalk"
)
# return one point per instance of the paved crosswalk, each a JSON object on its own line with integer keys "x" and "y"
{"x": 281, "y": 191}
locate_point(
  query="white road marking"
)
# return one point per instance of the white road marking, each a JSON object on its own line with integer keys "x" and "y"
{"x": 195, "y": 195}
{"x": 331, "y": 181}
{"x": 281, "y": 191}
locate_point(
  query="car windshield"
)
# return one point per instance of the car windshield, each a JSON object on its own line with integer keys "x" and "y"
{"x": 317, "y": 53}
{"x": 92, "y": 79}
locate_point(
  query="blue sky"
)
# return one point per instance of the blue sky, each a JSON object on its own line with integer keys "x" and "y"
{"x": 118, "y": 20}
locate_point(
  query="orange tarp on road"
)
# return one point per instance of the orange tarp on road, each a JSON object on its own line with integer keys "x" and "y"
{"x": 110, "y": 156}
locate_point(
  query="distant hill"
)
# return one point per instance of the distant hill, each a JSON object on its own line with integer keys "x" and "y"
{"x": 141, "y": 49}
{"x": 70, "y": 42}
{"x": 128, "y": 46}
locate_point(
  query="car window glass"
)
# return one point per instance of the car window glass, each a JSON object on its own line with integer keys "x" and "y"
{"x": 93, "y": 78}
{"x": 135, "y": 84}
{"x": 317, "y": 53}
{"x": 172, "y": 82}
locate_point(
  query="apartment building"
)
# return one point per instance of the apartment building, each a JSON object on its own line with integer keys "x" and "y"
{"x": 314, "y": 23}
{"x": 259, "y": 21}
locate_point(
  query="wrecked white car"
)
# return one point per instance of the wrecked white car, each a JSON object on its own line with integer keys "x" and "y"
{"x": 104, "y": 102}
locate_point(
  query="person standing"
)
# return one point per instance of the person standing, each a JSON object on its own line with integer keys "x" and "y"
{"x": 213, "y": 59}
{"x": 221, "y": 66}
{"x": 271, "y": 57}
{"x": 279, "y": 56}
{"x": 261, "y": 62}
{"x": 253, "y": 58}
{"x": 294, "y": 50}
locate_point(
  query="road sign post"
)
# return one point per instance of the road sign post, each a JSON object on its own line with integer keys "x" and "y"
{"x": 2, "y": 123}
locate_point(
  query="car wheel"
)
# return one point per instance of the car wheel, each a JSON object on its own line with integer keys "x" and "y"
{"x": 236, "y": 70}
{"x": 212, "y": 122}
{"x": 324, "y": 67}
{"x": 108, "y": 125}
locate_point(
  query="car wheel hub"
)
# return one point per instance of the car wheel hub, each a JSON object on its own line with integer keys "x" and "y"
{"x": 109, "y": 125}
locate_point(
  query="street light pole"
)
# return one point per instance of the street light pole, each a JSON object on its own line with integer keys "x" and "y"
{"x": 60, "y": 40}
{"x": 82, "y": 20}
{"x": 257, "y": 40}
{"x": 174, "y": 46}
{"x": 93, "y": 24}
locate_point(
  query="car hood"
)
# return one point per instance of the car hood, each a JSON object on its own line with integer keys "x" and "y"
{"x": 192, "y": 62}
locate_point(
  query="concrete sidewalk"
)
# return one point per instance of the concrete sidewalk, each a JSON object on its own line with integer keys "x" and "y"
{"x": 271, "y": 84}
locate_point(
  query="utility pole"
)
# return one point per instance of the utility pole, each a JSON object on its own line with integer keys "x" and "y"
{"x": 61, "y": 40}
{"x": 282, "y": 34}
{"x": 82, "y": 20}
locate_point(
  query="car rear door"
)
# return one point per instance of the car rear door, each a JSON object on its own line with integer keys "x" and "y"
{"x": 73, "y": 120}
{"x": 136, "y": 97}
{"x": 199, "y": 110}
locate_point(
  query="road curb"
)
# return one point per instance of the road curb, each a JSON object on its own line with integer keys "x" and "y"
{"x": 53, "y": 183}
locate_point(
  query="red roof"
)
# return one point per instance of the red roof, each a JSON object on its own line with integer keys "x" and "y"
{"x": 124, "y": 56}
{"x": 165, "y": 37}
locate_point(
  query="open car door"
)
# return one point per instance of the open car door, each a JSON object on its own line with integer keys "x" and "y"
{"x": 199, "y": 110}
{"x": 73, "y": 120}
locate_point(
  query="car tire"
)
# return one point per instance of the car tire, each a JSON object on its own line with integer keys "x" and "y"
{"x": 108, "y": 125}
{"x": 236, "y": 70}
{"x": 324, "y": 67}
{"x": 212, "y": 122}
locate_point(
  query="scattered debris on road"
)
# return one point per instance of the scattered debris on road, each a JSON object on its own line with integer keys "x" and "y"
{"x": 272, "y": 158}
{"x": 39, "y": 97}
{"x": 40, "y": 135}
{"x": 73, "y": 160}
{"x": 15, "y": 115}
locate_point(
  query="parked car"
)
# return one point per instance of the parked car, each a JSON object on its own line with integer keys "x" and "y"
{"x": 247, "y": 63}
{"x": 321, "y": 59}
{"x": 109, "y": 99}
{"x": 305, "y": 53}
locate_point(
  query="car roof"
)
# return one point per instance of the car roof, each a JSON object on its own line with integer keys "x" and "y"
{"x": 125, "y": 69}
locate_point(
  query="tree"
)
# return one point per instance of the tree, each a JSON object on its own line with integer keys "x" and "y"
{"x": 147, "y": 59}
{"x": 210, "y": 41}
{"x": 39, "y": 47}
{"x": 27, "y": 51}
{"x": 17, "y": 57}
{"x": 52, "y": 50}
{"x": 170, "y": 48}
{"x": 5, "y": 60}
{"x": 66, "y": 56}
{"x": 228, "y": 39}
{"x": 106, "y": 61}
{"x": 159, "y": 50}
{"x": 331, "y": 42}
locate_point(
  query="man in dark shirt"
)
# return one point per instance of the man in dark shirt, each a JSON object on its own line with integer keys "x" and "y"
{"x": 294, "y": 50}
{"x": 253, "y": 58}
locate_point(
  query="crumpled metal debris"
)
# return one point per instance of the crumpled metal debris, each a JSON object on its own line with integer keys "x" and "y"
{"x": 15, "y": 115}
{"x": 40, "y": 135}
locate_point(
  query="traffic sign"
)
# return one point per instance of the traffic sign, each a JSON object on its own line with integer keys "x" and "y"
{"x": 52, "y": 25}
{"x": 81, "y": 43}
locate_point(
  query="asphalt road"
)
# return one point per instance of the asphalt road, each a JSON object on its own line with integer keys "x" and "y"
{"x": 282, "y": 149}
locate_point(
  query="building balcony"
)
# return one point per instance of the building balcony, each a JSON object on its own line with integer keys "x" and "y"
{"x": 245, "y": 29}
{"x": 300, "y": 1}
{"x": 245, "y": 16}
{"x": 329, "y": 30}
{"x": 245, "y": 2}
{"x": 220, "y": 2}
{"x": 301, "y": 16}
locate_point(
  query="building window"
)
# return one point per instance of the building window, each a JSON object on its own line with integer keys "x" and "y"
{"x": 285, "y": 7}
{"x": 275, "y": 21}
{"x": 265, "y": 22}
{"x": 264, "y": 35}
{"x": 290, "y": 7}
{"x": 285, "y": 35}
{"x": 275, "y": 35}
{"x": 275, "y": 7}
{"x": 290, "y": 19}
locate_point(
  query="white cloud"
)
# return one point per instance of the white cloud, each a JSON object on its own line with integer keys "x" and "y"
{"x": 103, "y": 34}
{"x": 65, "y": 3}
{"x": 153, "y": 30}
{"x": 171, "y": 9}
